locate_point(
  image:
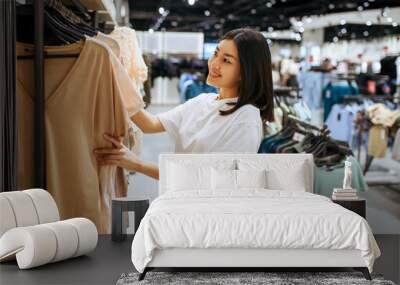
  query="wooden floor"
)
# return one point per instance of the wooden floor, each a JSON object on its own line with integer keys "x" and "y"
{"x": 111, "y": 259}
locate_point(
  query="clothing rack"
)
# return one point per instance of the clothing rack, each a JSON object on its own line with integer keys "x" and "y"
{"x": 361, "y": 97}
{"x": 39, "y": 108}
{"x": 362, "y": 122}
{"x": 39, "y": 56}
{"x": 287, "y": 91}
{"x": 308, "y": 125}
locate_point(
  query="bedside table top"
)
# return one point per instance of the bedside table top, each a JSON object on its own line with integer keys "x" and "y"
{"x": 348, "y": 200}
{"x": 127, "y": 199}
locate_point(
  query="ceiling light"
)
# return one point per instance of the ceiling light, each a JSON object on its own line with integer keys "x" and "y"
{"x": 301, "y": 30}
{"x": 389, "y": 19}
{"x": 394, "y": 24}
{"x": 151, "y": 31}
{"x": 335, "y": 39}
{"x": 268, "y": 4}
{"x": 360, "y": 8}
{"x": 366, "y": 34}
{"x": 253, "y": 11}
{"x": 331, "y": 6}
{"x": 174, "y": 23}
{"x": 366, "y": 4}
{"x": 343, "y": 31}
{"x": 369, "y": 23}
{"x": 271, "y": 29}
{"x": 161, "y": 10}
{"x": 343, "y": 22}
{"x": 191, "y": 2}
{"x": 207, "y": 13}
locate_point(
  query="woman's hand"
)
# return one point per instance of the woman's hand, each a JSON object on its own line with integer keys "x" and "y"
{"x": 119, "y": 155}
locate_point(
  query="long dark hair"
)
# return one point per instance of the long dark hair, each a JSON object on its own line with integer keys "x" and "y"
{"x": 255, "y": 85}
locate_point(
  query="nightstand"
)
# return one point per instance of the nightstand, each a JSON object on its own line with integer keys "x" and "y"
{"x": 121, "y": 205}
{"x": 357, "y": 206}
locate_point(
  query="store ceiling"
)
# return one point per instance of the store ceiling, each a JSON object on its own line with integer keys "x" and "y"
{"x": 215, "y": 17}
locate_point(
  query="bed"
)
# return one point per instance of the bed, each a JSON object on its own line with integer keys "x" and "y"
{"x": 246, "y": 211}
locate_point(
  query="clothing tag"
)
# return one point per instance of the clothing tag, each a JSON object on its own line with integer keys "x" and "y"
{"x": 383, "y": 134}
{"x": 298, "y": 137}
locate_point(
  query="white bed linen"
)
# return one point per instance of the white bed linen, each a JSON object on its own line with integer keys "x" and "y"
{"x": 252, "y": 218}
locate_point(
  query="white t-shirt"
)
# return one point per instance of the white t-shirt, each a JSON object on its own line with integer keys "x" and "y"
{"x": 197, "y": 126}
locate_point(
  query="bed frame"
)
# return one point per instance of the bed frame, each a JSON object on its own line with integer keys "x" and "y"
{"x": 245, "y": 259}
{"x": 248, "y": 259}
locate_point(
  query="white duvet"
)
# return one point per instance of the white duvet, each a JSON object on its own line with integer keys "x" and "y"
{"x": 257, "y": 218}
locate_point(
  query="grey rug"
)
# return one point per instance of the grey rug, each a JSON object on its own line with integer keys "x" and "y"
{"x": 243, "y": 278}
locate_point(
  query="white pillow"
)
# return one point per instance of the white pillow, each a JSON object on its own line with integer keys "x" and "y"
{"x": 183, "y": 178}
{"x": 277, "y": 180}
{"x": 251, "y": 178}
{"x": 184, "y": 175}
{"x": 282, "y": 173}
{"x": 223, "y": 179}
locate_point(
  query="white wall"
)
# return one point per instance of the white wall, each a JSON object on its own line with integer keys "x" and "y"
{"x": 163, "y": 43}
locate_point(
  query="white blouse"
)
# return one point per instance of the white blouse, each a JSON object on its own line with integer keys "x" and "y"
{"x": 197, "y": 126}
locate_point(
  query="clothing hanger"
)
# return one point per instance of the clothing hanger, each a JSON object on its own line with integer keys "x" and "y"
{"x": 66, "y": 27}
{"x": 61, "y": 29}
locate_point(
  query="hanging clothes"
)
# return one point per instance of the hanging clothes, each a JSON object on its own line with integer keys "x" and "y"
{"x": 377, "y": 141}
{"x": 341, "y": 122}
{"x": 184, "y": 81}
{"x": 325, "y": 180}
{"x": 312, "y": 85}
{"x": 335, "y": 92}
{"x": 85, "y": 97}
{"x": 379, "y": 114}
{"x": 133, "y": 131}
{"x": 111, "y": 43}
{"x": 131, "y": 54}
{"x": 197, "y": 87}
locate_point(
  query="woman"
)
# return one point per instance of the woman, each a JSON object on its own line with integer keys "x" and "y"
{"x": 230, "y": 121}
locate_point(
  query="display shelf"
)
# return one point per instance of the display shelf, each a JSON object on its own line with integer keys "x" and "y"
{"x": 105, "y": 8}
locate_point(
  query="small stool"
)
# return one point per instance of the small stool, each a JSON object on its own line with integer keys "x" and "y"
{"x": 126, "y": 204}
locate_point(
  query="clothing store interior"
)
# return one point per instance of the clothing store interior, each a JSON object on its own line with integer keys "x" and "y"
{"x": 75, "y": 70}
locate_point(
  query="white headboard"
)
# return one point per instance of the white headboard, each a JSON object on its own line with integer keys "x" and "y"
{"x": 210, "y": 158}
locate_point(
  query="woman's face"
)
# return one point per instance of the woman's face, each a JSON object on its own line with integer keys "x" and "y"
{"x": 224, "y": 66}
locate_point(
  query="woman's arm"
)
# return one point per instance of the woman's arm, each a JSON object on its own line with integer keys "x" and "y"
{"x": 147, "y": 122}
{"x": 121, "y": 156}
{"x": 149, "y": 169}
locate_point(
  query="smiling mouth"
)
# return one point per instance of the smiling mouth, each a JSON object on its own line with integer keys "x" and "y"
{"x": 214, "y": 75}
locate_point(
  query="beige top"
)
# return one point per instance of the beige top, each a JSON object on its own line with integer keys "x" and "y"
{"x": 85, "y": 97}
{"x": 381, "y": 115}
{"x": 112, "y": 43}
